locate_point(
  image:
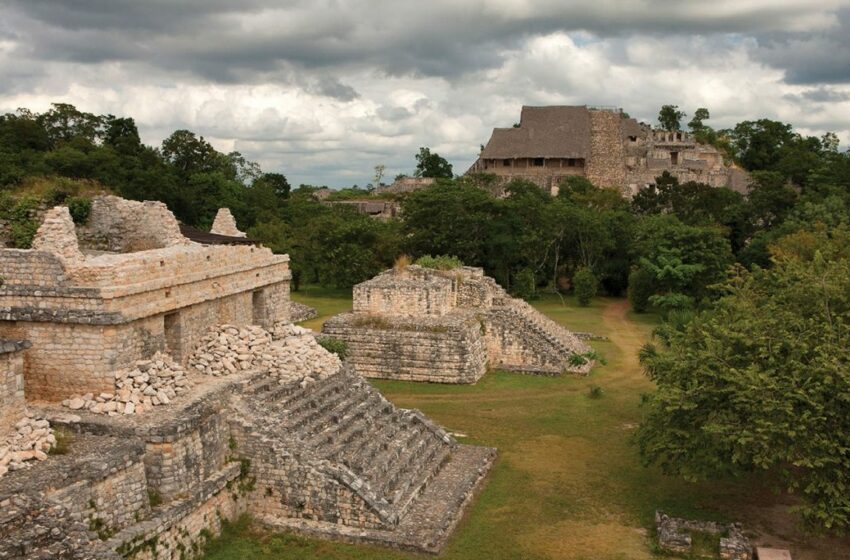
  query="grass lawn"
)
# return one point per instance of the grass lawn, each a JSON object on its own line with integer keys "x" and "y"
{"x": 568, "y": 483}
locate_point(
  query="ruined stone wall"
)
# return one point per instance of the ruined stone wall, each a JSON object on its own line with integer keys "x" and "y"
{"x": 113, "y": 502}
{"x": 123, "y": 226}
{"x": 69, "y": 359}
{"x": 449, "y": 349}
{"x": 606, "y": 164}
{"x": 225, "y": 224}
{"x": 12, "y": 401}
{"x": 395, "y": 294}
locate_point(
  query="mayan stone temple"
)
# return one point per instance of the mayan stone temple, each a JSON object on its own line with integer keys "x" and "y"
{"x": 421, "y": 324}
{"x": 152, "y": 385}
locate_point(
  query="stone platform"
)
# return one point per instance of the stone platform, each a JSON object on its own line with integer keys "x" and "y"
{"x": 432, "y": 517}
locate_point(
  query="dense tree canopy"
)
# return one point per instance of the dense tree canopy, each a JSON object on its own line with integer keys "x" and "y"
{"x": 761, "y": 380}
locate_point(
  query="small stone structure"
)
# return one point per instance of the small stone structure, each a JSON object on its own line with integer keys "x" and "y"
{"x": 299, "y": 312}
{"x": 602, "y": 144}
{"x": 404, "y": 185}
{"x": 225, "y": 224}
{"x": 674, "y": 535}
{"x": 420, "y": 324}
{"x": 184, "y": 397}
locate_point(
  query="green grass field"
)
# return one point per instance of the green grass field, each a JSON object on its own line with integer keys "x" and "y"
{"x": 568, "y": 483}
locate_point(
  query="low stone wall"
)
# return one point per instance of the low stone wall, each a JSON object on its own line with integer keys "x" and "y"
{"x": 299, "y": 312}
{"x": 447, "y": 349}
{"x": 12, "y": 401}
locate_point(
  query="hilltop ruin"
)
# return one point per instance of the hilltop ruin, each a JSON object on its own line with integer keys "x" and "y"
{"x": 421, "y": 324}
{"x": 602, "y": 144}
{"x": 152, "y": 386}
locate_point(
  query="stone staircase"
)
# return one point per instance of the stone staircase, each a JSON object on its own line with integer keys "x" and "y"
{"x": 393, "y": 453}
{"x": 560, "y": 342}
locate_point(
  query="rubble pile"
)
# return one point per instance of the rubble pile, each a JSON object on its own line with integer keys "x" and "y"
{"x": 30, "y": 439}
{"x": 229, "y": 349}
{"x": 147, "y": 384}
{"x": 289, "y": 352}
{"x": 300, "y": 355}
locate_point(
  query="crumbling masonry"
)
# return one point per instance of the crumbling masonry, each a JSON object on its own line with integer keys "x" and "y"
{"x": 248, "y": 424}
{"x": 420, "y": 324}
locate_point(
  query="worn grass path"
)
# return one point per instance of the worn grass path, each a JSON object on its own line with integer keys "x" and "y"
{"x": 568, "y": 483}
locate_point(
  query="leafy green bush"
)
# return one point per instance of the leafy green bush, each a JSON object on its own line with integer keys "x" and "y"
{"x": 585, "y": 284}
{"x": 440, "y": 262}
{"x": 80, "y": 208}
{"x": 525, "y": 285}
{"x": 641, "y": 288}
{"x": 334, "y": 345}
{"x": 595, "y": 392}
{"x": 20, "y": 213}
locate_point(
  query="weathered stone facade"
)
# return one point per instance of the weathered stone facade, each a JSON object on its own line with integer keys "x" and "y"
{"x": 420, "y": 324}
{"x": 12, "y": 401}
{"x": 602, "y": 144}
{"x": 89, "y": 315}
{"x": 286, "y": 434}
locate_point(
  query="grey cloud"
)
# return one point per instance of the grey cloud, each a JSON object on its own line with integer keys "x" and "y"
{"x": 810, "y": 58}
{"x": 209, "y": 37}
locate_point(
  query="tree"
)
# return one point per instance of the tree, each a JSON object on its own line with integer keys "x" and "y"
{"x": 684, "y": 260}
{"x": 670, "y": 117}
{"x": 761, "y": 380}
{"x": 696, "y": 124}
{"x": 278, "y": 183}
{"x": 585, "y": 284}
{"x": 379, "y": 174}
{"x": 430, "y": 164}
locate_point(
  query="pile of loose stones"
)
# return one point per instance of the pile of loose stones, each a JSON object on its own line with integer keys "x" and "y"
{"x": 147, "y": 384}
{"x": 30, "y": 439}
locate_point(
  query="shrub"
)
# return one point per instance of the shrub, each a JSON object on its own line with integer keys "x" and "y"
{"x": 334, "y": 345}
{"x": 525, "y": 285}
{"x": 585, "y": 284}
{"x": 64, "y": 439}
{"x": 401, "y": 262}
{"x": 80, "y": 208}
{"x": 641, "y": 288}
{"x": 595, "y": 392}
{"x": 440, "y": 262}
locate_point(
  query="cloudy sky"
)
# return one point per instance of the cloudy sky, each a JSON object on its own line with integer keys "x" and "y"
{"x": 324, "y": 90}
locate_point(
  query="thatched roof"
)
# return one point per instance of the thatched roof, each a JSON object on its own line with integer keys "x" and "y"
{"x": 557, "y": 132}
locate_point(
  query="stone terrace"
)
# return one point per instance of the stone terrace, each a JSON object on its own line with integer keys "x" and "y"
{"x": 419, "y": 324}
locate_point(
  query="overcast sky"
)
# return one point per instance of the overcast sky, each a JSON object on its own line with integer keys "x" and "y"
{"x": 324, "y": 90}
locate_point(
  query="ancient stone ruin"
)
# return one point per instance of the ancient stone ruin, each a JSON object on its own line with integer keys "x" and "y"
{"x": 675, "y": 536}
{"x": 152, "y": 386}
{"x": 604, "y": 145}
{"x": 421, "y": 324}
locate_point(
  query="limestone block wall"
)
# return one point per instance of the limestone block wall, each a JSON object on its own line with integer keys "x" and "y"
{"x": 123, "y": 226}
{"x": 81, "y": 358}
{"x": 606, "y": 165}
{"x": 448, "y": 349}
{"x": 11, "y": 380}
{"x": 397, "y": 295}
{"x": 180, "y": 457}
{"x": 112, "y": 503}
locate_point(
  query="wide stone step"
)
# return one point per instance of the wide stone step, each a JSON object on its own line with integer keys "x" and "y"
{"x": 359, "y": 459}
{"x": 315, "y": 407}
{"x": 410, "y": 487}
{"x": 326, "y": 416}
{"x": 338, "y": 433}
